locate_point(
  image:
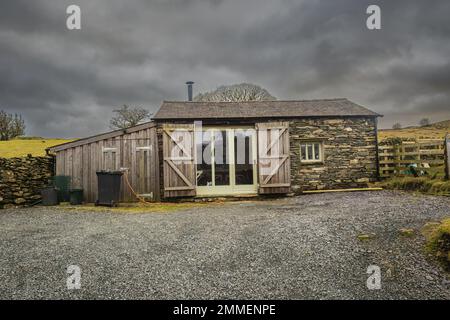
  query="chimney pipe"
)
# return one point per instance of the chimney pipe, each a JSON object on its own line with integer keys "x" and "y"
{"x": 189, "y": 86}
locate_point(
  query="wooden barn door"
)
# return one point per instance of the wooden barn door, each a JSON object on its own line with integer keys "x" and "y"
{"x": 273, "y": 157}
{"x": 179, "y": 163}
{"x": 143, "y": 177}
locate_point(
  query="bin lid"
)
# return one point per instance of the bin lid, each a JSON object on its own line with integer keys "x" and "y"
{"x": 109, "y": 172}
{"x": 48, "y": 188}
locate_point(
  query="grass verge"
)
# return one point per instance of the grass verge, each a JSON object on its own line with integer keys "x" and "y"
{"x": 420, "y": 184}
{"x": 438, "y": 241}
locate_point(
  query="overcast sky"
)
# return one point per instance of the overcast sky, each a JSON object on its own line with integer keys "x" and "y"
{"x": 67, "y": 82}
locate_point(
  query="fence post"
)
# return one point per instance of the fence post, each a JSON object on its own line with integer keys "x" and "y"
{"x": 447, "y": 156}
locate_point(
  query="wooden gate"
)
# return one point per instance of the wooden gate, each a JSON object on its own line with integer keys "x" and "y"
{"x": 273, "y": 157}
{"x": 179, "y": 164}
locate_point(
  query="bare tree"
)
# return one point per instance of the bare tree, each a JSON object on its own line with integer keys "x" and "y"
{"x": 236, "y": 92}
{"x": 11, "y": 126}
{"x": 128, "y": 117}
{"x": 424, "y": 122}
{"x": 397, "y": 125}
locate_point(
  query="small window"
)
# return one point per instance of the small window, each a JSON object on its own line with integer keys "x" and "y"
{"x": 311, "y": 151}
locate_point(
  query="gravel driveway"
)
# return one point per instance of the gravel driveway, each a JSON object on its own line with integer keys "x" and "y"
{"x": 304, "y": 247}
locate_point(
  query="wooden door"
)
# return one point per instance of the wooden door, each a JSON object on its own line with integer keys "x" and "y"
{"x": 273, "y": 157}
{"x": 179, "y": 163}
{"x": 143, "y": 177}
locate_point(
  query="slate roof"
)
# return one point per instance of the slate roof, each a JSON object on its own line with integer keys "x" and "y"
{"x": 171, "y": 110}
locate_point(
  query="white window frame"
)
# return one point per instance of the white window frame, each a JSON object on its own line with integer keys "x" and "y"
{"x": 313, "y": 143}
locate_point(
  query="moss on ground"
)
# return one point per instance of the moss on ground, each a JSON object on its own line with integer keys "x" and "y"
{"x": 406, "y": 232}
{"x": 438, "y": 241}
{"x": 366, "y": 236}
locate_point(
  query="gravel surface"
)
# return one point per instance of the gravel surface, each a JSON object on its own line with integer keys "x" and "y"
{"x": 304, "y": 247}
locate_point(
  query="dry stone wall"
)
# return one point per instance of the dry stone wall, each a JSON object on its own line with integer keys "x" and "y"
{"x": 21, "y": 180}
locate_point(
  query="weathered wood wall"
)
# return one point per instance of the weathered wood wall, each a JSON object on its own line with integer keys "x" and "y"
{"x": 136, "y": 150}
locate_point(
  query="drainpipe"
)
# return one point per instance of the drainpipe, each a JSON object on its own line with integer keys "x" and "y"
{"x": 52, "y": 155}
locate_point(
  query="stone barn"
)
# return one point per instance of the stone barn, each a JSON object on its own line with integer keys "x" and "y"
{"x": 207, "y": 149}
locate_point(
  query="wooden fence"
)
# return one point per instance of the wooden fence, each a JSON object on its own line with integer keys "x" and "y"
{"x": 395, "y": 159}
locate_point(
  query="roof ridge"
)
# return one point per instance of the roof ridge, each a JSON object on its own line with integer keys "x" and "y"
{"x": 261, "y": 109}
{"x": 306, "y": 100}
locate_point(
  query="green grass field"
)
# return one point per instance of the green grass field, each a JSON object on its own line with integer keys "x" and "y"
{"x": 437, "y": 235}
{"x": 436, "y": 130}
{"x": 21, "y": 147}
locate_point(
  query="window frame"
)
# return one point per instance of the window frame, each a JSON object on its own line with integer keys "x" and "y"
{"x": 306, "y": 143}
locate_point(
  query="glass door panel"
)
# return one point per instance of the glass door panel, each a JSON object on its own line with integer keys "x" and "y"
{"x": 226, "y": 161}
{"x": 204, "y": 154}
{"x": 243, "y": 156}
{"x": 221, "y": 158}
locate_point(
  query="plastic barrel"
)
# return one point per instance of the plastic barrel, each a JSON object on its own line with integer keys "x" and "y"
{"x": 62, "y": 184}
{"x": 108, "y": 187}
{"x": 49, "y": 197}
{"x": 76, "y": 196}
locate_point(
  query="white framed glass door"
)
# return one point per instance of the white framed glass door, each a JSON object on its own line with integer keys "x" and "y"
{"x": 226, "y": 161}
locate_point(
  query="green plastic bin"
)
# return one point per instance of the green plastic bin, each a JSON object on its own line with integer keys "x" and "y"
{"x": 76, "y": 196}
{"x": 62, "y": 185}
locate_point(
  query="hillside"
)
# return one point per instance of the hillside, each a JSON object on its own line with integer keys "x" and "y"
{"x": 21, "y": 147}
{"x": 436, "y": 130}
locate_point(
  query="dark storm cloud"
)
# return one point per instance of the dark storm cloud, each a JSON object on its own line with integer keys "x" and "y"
{"x": 66, "y": 83}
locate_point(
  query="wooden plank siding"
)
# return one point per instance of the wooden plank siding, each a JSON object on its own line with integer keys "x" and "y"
{"x": 136, "y": 150}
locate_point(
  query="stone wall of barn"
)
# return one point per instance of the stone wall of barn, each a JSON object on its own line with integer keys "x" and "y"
{"x": 21, "y": 179}
{"x": 349, "y": 158}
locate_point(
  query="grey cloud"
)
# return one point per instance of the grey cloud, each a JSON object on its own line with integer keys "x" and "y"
{"x": 66, "y": 83}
